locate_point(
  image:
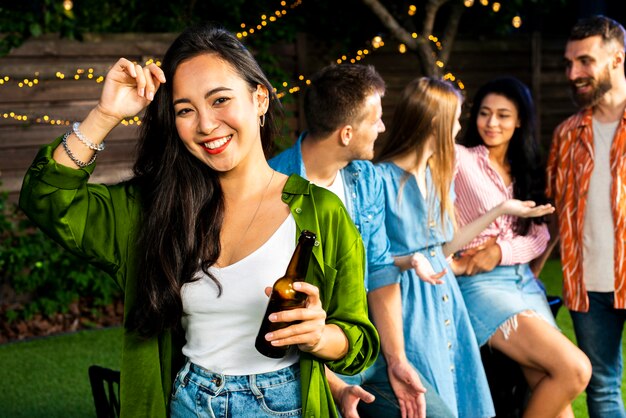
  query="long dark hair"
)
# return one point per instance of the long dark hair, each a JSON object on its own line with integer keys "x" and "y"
{"x": 183, "y": 207}
{"x": 523, "y": 153}
{"x": 427, "y": 108}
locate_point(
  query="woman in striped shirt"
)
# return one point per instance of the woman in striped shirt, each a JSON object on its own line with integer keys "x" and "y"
{"x": 499, "y": 160}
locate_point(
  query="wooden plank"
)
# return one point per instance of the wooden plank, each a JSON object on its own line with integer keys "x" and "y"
{"x": 46, "y": 69}
{"x": 112, "y": 45}
{"x": 52, "y": 90}
{"x": 35, "y": 136}
{"x": 20, "y": 158}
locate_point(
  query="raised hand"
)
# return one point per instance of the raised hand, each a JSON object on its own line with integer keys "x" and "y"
{"x": 129, "y": 88}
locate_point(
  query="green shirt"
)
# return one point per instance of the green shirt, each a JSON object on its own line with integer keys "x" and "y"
{"x": 100, "y": 223}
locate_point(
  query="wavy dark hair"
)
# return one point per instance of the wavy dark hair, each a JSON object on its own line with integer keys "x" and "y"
{"x": 183, "y": 207}
{"x": 524, "y": 154}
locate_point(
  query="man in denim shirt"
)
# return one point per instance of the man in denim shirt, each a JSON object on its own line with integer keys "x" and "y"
{"x": 343, "y": 111}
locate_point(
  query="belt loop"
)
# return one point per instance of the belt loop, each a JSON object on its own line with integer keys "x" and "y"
{"x": 254, "y": 388}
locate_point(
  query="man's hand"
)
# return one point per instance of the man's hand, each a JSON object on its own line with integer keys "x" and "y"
{"x": 408, "y": 389}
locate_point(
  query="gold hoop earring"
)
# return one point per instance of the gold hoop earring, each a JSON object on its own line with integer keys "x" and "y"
{"x": 262, "y": 120}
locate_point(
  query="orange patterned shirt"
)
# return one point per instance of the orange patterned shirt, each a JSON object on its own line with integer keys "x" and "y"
{"x": 569, "y": 171}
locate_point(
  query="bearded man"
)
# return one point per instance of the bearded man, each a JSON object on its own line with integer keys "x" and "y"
{"x": 587, "y": 180}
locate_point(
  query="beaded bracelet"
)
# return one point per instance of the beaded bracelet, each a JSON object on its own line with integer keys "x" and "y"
{"x": 84, "y": 140}
{"x": 69, "y": 153}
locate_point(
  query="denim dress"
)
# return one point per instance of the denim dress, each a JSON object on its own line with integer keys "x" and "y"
{"x": 439, "y": 340}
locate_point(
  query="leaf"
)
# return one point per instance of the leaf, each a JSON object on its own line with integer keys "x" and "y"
{"x": 35, "y": 29}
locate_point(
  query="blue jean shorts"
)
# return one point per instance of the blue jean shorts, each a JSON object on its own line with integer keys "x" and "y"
{"x": 198, "y": 392}
{"x": 494, "y": 297}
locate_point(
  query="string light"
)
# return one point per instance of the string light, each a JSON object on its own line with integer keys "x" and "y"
{"x": 295, "y": 89}
{"x": 79, "y": 74}
{"x": 360, "y": 54}
{"x": 48, "y": 120}
{"x": 247, "y": 30}
{"x": 377, "y": 43}
{"x": 266, "y": 19}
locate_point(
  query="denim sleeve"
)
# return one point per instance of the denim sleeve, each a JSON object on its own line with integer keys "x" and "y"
{"x": 380, "y": 265}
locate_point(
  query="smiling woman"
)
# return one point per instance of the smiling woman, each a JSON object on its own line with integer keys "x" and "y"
{"x": 175, "y": 239}
{"x": 213, "y": 111}
{"x": 507, "y": 305}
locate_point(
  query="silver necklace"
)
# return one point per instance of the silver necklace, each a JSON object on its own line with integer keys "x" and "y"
{"x": 267, "y": 186}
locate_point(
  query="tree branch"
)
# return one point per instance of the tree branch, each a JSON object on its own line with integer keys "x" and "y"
{"x": 449, "y": 34}
{"x": 421, "y": 45}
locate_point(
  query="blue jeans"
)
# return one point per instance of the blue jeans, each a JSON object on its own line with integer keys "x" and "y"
{"x": 198, "y": 392}
{"x": 376, "y": 381}
{"x": 599, "y": 336}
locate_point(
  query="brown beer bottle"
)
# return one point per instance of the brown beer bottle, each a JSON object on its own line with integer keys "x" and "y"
{"x": 284, "y": 297}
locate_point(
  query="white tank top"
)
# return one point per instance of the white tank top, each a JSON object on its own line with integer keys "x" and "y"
{"x": 221, "y": 331}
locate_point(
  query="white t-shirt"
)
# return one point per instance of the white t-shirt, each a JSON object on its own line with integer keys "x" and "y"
{"x": 338, "y": 188}
{"x": 598, "y": 230}
{"x": 221, "y": 331}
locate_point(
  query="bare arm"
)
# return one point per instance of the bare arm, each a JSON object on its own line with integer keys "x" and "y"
{"x": 525, "y": 209}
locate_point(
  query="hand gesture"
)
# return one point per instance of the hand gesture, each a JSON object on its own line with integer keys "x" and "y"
{"x": 484, "y": 260}
{"x": 525, "y": 209}
{"x": 424, "y": 269}
{"x": 349, "y": 397}
{"x": 479, "y": 259}
{"x": 408, "y": 389}
{"x": 129, "y": 88}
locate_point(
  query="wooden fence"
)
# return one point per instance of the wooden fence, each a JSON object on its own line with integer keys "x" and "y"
{"x": 535, "y": 61}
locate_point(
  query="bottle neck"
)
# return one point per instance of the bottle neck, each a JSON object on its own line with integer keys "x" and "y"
{"x": 299, "y": 263}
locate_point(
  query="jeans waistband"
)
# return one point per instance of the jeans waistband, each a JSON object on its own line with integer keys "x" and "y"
{"x": 217, "y": 382}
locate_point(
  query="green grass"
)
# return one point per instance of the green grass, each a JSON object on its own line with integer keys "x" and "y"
{"x": 552, "y": 277}
{"x": 47, "y": 377}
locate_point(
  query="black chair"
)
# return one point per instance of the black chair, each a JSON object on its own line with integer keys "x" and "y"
{"x": 105, "y": 387}
{"x": 507, "y": 383}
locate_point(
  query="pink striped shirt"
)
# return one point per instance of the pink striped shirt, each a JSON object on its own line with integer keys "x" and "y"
{"x": 478, "y": 188}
